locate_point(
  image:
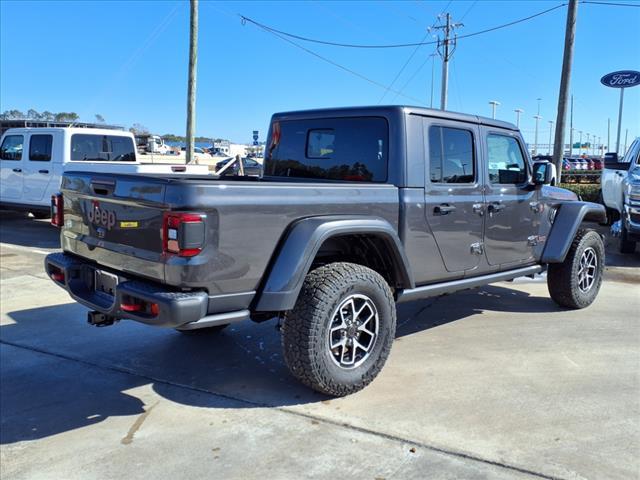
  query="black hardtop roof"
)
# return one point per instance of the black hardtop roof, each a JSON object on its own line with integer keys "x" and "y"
{"x": 394, "y": 109}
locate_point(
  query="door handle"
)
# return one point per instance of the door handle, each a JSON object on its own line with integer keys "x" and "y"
{"x": 478, "y": 208}
{"x": 495, "y": 207}
{"x": 17, "y": 170}
{"x": 443, "y": 209}
{"x": 43, "y": 171}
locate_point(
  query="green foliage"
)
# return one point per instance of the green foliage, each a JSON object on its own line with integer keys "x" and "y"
{"x": 589, "y": 192}
{"x": 35, "y": 115}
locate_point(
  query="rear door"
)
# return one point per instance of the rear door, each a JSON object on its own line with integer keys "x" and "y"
{"x": 11, "y": 166}
{"x": 512, "y": 218}
{"x": 38, "y": 167}
{"x": 453, "y": 193}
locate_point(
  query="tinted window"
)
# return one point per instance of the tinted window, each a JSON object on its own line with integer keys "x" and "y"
{"x": 102, "y": 148}
{"x": 506, "y": 162}
{"x": 350, "y": 149}
{"x": 450, "y": 155}
{"x": 11, "y": 148}
{"x": 40, "y": 147}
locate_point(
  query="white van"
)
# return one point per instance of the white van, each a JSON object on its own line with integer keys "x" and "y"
{"x": 32, "y": 161}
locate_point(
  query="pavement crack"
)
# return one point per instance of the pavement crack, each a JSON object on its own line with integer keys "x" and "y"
{"x": 387, "y": 436}
{"x": 128, "y": 438}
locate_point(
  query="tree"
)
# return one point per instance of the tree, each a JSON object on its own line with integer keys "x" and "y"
{"x": 66, "y": 117}
{"x": 33, "y": 114}
{"x": 12, "y": 115}
{"x": 47, "y": 115}
{"x": 99, "y": 118}
{"x": 139, "y": 129}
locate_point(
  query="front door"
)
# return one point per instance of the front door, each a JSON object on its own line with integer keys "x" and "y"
{"x": 453, "y": 192}
{"x": 512, "y": 210}
{"x": 38, "y": 169}
{"x": 11, "y": 161}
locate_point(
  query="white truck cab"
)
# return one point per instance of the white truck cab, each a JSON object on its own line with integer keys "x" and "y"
{"x": 620, "y": 183}
{"x": 32, "y": 161}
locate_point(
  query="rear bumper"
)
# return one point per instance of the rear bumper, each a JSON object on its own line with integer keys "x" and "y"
{"x": 173, "y": 309}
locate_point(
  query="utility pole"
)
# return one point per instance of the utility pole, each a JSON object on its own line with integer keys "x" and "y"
{"x": 493, "y": 104}
{"x": 535, "y": 142}
{"x": 608, "y": 134}
{"x": 446, "y": 48}
{"x": 626, "y": 133}
{"x": 550, "y": 132}
{"x": 191, "y": 83}
{"x": 518, "y": 112}
{"x": 620, "y": 121}
{"x": 565, "y": 83}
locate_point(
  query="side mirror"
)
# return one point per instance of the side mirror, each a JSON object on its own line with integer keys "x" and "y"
{"x": 612, "y": 161}
{"x": 542, "y": 173}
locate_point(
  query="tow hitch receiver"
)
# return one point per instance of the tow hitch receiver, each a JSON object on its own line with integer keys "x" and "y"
{"x": 99, "y": 319}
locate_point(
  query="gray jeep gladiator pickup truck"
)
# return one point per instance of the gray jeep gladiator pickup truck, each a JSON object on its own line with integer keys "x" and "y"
{"x": 358, "y": 209}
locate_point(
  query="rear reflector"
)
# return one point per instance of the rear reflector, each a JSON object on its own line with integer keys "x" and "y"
{"x": 131, "y": 307}
{"x": 183, "y": 233}
{"x": 57, "y": 210}
{"x": 58, "y": 276}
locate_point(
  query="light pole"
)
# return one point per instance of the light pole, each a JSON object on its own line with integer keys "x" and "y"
{"x": 580, "y": 147}
{"x": 599, "y": 146}
{"x": 518, "y": 112}
{"x": 550, "y": 135}
{"x": 538, "y": 99}
{"x": 588, "y": 144}
{"x": 571, "y": 142}
{"x": 494, "y": 104}
{"x": 535, "y": 141}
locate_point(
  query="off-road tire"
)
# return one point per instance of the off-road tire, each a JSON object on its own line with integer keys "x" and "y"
{"x": 306, "y": 328}
{"x": 200, "y": 332}
{"x": 562, "y": 278}
{"x": 625, "y": 244}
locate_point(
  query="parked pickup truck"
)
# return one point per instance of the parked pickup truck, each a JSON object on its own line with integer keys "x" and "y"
{"x": 358, "y": 209}
{"x": 621, "y": 195}
{"x": 32, "y": 161}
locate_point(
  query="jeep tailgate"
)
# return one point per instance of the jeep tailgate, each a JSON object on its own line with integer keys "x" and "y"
{"x": 115, "y": 220}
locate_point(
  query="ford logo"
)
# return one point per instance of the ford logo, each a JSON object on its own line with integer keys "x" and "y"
{"x": 621, "y": 79}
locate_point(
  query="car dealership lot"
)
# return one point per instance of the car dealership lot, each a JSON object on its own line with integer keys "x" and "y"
{"x": 496, "y": 382}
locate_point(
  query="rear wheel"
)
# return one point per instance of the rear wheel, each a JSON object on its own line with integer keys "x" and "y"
{"x": 339, "y": 334}
{"x": 575, "y": 282}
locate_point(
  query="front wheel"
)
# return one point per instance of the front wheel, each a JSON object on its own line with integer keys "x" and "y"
{"x": 575, "y": 282}
{"x": 339, "y": 334}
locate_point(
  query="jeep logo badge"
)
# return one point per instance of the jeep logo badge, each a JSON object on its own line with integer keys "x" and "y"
{"x": 101, "y": 217}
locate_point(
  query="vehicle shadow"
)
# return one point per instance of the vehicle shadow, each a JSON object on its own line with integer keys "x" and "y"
{"x": 60, "y": 374}
{"x": 19, "y": 229}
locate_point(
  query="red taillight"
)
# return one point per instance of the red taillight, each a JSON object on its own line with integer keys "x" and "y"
{"x": 131, "y": 307}
{"x": 183, "y": 233}
{"x": 57, "y": 210}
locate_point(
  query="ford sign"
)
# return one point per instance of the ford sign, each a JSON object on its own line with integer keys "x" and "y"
{"x": 621, "y": 79}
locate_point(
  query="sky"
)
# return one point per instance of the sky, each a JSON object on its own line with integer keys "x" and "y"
{"x": 127, "y": 61}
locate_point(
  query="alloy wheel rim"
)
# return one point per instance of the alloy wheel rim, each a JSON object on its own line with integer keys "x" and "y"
{"x": 587, "y": 270}
{"x": 353, "y": 331}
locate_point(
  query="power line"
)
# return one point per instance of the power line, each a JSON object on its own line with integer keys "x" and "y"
{"x": 342, "y": 67}
{"x": 397, "y": 45}
{"x": 468, "y": 10}
{"x": 402, "y": 69}
{"x": 612, "y": 4}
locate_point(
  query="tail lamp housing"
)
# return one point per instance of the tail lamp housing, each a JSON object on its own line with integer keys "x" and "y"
{"x": 57, "y": 210}
{"x": 183, "y": 233}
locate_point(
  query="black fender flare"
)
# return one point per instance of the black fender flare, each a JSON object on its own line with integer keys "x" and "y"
{"x": 296, "y": 252}
{"x": 568, "y": 219}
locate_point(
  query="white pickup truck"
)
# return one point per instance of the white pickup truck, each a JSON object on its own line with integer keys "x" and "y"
{"x": 32, "y": 161}
{"x": 621, "y": 195}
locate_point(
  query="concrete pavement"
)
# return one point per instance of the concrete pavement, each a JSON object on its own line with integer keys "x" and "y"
{"x": 492, "y": 383}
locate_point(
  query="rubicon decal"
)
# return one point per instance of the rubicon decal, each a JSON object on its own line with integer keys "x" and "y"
{"x": 101, "y": 216}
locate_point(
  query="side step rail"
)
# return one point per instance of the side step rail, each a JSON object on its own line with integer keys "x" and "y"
{"x": 465, "y": 283}
{"x": 217, "y": 319}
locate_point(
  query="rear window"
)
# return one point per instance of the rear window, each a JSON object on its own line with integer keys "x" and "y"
{"x": 11, "y": 148}
{"x": 102, "y": 148}
{"x": 347, "y": 149}
{"x": 40, "y": 148}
